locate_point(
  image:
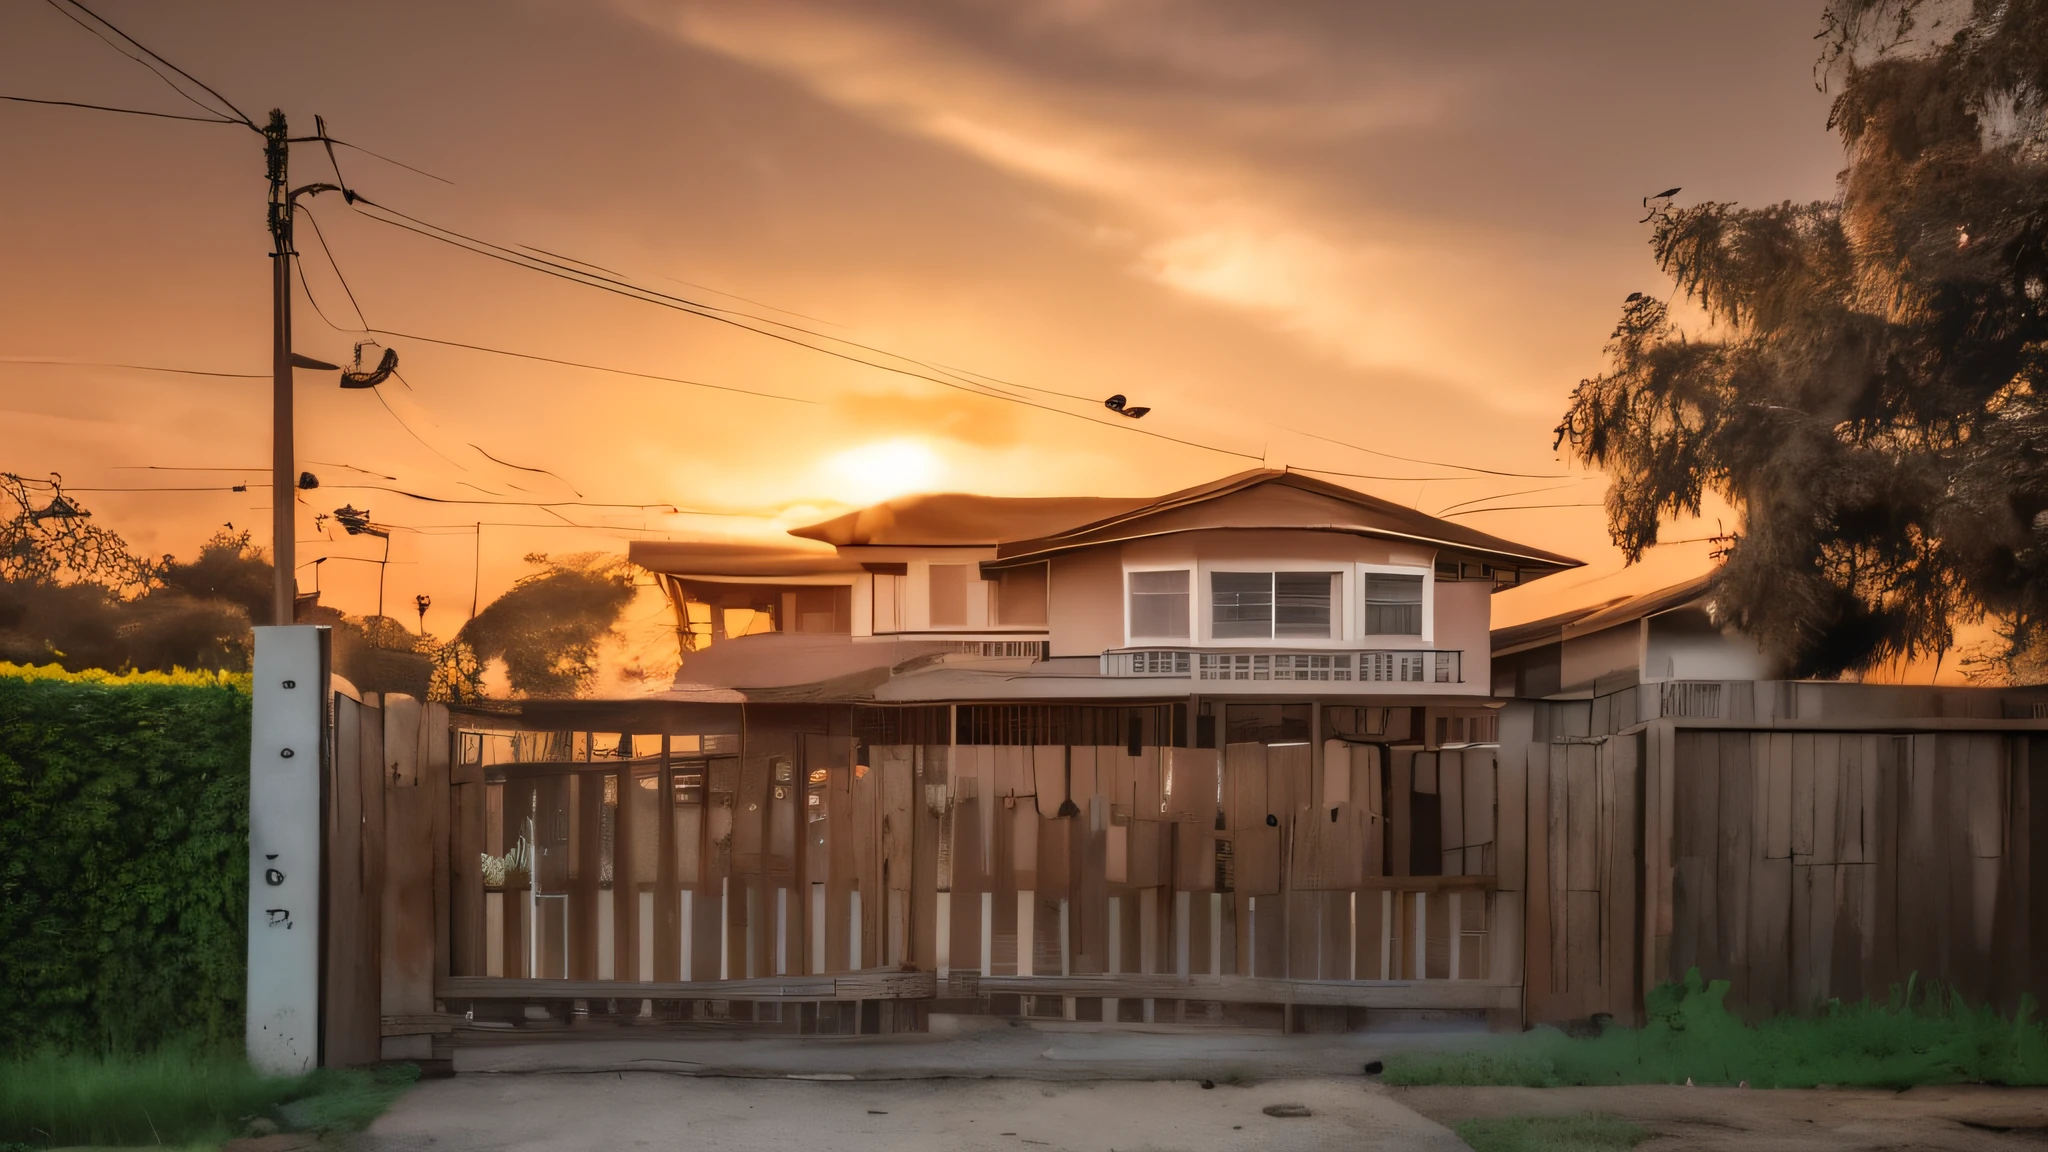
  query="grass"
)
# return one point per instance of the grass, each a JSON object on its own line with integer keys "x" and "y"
{"x": 179, "y": 1098}
{"x": 1917, "y": 1037}
{"x": 1588, "y": 1133}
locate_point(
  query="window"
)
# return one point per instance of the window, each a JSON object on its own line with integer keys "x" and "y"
{"x": 1264, "y": 605}
{"x": 1020, "y": 596}
{"x": 1241, "y": 605}
{"x": 1301, "y": 603}
{"x": 1159, "y": 605}
{"x": 949, "y": 595}
{"x": 1393, "y": 604}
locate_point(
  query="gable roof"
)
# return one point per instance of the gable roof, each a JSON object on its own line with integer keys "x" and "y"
{"x": 1267, "y": 498}
{"x": 957, "y": 519}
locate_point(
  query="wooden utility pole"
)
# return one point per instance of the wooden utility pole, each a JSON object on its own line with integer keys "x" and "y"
{"x": 283, "y": 467}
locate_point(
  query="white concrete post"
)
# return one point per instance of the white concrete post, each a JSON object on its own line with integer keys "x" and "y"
{"x": 286, "y": 753}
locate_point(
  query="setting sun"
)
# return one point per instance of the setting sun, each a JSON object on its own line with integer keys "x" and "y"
{"x": 883, "y": 470}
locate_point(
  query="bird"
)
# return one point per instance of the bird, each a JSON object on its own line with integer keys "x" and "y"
{"x": 1666, "y": 194}
{"x": 1122, "y": 407}
{"x": 1632, "y": 298}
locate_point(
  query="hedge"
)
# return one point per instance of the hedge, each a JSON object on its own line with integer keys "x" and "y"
{"x": 124, "y": 831}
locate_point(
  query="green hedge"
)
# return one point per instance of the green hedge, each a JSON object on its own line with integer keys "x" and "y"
{"x": 124, "y": 830}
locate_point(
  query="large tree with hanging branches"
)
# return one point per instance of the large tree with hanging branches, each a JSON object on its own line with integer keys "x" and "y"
{"x": 1868, "y": 388}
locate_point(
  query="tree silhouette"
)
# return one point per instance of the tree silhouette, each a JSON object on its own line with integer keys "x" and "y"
{"x": 1867, "y": 391}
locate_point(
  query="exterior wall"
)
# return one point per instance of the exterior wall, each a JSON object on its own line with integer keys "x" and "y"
{"x": 1587, "y": 658}
{"x": 1463, "y": 610}
{"x": 1684, "y": 645}
{"x": 1085, "y": 610}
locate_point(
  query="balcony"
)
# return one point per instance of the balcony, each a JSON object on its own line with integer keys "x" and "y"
{"x": 1372, "y": 666}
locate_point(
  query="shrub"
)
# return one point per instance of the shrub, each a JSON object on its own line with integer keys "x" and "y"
{"x": 124, "y": 811}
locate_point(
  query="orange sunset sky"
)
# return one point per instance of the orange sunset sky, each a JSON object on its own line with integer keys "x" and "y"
{"x": 1406, "y": 227}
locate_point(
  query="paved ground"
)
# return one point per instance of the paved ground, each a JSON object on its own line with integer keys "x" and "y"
{"x": 1958, "y": 1119}
{"x": 968, "y": 1047}
{"x": 977, "y": 1084}
{"x": 626, "y": 1111}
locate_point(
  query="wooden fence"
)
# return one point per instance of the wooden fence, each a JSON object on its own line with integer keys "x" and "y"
{"x": 770, "y": 871}
{"x": 1805, "y": 845}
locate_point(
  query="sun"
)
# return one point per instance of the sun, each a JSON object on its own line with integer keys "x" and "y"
{"x": 882, "y": 470}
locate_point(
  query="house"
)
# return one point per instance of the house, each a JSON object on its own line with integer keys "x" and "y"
{"x": 1262, "y": 583}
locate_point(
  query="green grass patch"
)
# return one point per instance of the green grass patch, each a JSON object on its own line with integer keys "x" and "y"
{"x": 1588, "y": 1133}
{"x": 1923, "y": 1036}
{"x": 180, "y": 1099}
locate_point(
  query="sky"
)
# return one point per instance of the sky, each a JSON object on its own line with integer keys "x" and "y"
{"x": 1313, "y": 235}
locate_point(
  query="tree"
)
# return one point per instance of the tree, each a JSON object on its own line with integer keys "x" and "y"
{"x": 549, "y": 627}
{"x": 47, "y": 537}
{"x": 1868, "y": 391}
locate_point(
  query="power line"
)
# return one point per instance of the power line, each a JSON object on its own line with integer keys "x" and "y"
{"x": 331, "y": 263}
{"x": 1507, "y": 495}
{"x": 118, "y": 47}
{"x": 1420, "y": 460}
{"x": 733, "y": 318}
{"x": 1523, "y": 507}
{"x": 132, "y": 367}
{"x": 524, "y": 468}
{"x": 388, "y": 160}
{"x": 240, "y": 115}
{"x": 126, "y": 111}
{"x": 368, "y": 328}
{"x": 1373, "y": 475}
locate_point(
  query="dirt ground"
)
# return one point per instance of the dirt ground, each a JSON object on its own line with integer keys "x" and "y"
{"x": 1958, "y": 1119}
{"x": 631, "y": 1111}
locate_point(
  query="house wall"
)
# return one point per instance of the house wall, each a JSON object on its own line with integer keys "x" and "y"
{"x": 1085, "y": 611}
{"x": 1684, "y": 644}
{"x": 1464, "y": 609}
{"x": 1589, "y": 657}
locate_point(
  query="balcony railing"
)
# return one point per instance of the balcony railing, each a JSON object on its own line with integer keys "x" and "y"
{"x": 1383, "y": 666}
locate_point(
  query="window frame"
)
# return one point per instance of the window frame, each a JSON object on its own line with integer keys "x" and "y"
{"x": 1342, "y": 612}
{"x": 1383, "y": 639}
{"x": 1190, "y": 635}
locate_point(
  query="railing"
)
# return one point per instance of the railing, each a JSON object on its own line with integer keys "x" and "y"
{"x": 1381, "y": 666}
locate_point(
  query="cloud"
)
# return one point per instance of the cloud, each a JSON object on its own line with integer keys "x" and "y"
{"x": 1168, "y": 120}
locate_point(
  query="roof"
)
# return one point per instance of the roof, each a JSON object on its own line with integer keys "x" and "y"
{"x": 960, "y": 520}
{"x": 1592, "y": 618}
{"x": 703, "y": 558}
{"x": 1266, "y": 498}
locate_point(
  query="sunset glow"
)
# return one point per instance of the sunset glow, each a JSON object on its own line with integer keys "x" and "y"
{"x": 885, "y": 469}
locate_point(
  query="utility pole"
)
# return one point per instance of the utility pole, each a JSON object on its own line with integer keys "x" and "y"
{"x": 283, "y": 467}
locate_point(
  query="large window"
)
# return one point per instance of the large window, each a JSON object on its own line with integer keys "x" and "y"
{"x": 1159, "y": 605}
{"x": 1393, "y": 604}
{"x": 1268, "y": 605}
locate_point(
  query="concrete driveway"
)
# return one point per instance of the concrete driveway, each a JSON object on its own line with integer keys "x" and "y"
{"x": 625, "y": 1111}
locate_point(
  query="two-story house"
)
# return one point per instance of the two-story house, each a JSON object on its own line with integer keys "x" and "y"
{"x": 1266, "y": 583}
